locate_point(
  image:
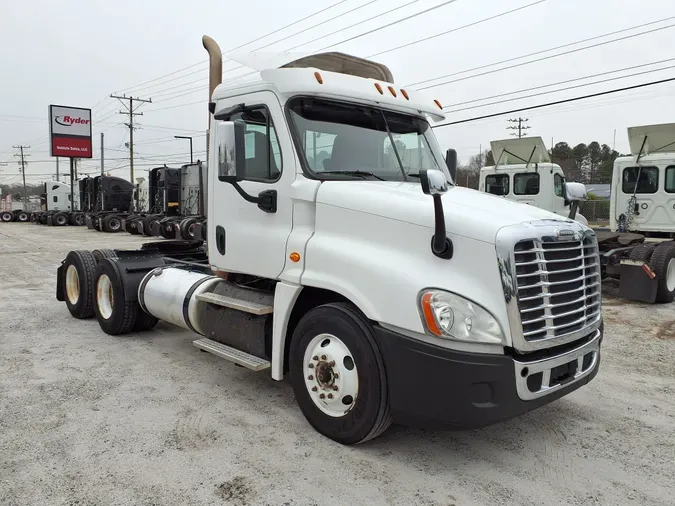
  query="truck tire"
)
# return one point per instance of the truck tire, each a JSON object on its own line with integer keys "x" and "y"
{"x": 60, "y": 219}
{"x": 6, "y": 216}
{"x": 642, "y": 252}
{"x": 78, "y": 283}
{"x": 100, "y": 254}
{"x": 22, "y": 216}
{"x": 337, "y": 339}
{"x": 77, "y": 219}
{"x": 663, "y": 264}
{"x": 145, "y": 321}
{"x": 112, "y": 223}
{"x": 114, "y": 313}
{"x": 187, "y": 228}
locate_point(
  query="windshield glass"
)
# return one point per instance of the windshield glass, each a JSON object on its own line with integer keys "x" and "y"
{"x": 346, "y": 140}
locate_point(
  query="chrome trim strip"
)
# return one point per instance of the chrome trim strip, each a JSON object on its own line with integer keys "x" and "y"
{"x": 544, "y": 231}
{"x": 525, "y": 369}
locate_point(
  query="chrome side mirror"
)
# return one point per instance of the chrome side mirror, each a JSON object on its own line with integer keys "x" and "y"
{"x": 230, "y": 149}
{"x": 433, "y": 182}
{"x": 575, "y": 192}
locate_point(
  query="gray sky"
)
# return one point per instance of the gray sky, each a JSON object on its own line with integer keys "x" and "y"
{"x": 78, "y": 55}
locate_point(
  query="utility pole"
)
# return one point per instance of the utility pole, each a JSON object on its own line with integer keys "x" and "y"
{"x": 23, "y": 172}
{"x": 102, "y": 154}
{"x": 520, "y": 127}
{"x": 57, "y": 169}
{"x": 130, "y": 111}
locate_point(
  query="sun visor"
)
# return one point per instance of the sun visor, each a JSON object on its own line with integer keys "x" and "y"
{"x": 519, "y": 151}
{"x": 649, "y": 139}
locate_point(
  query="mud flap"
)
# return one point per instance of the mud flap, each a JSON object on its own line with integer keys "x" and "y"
{"x": 60, "y": 291}
{"x": 638, "y": 281}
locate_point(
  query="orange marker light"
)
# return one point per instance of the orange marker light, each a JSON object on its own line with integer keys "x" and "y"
{"x": 438, "y": 104}
{"x": 319, "y": 79}
{"x": 429, "y": 315}
{"x": 295, "y": 257}
{"x": 379, "y": 88}
{"x": 405, "y": 94}
{"x": 392, "y": 90}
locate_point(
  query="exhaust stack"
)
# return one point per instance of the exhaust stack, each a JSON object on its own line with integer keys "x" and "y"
{"x": 215, "y": 64}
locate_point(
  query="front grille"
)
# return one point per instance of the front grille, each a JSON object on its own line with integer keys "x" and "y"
{"x": 558, "y": 286}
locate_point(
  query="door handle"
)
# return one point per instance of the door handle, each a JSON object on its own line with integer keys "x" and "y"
{"x": 220, "y": 239}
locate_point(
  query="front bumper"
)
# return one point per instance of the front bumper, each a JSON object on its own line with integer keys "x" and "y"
{"x": 433, "y": 387}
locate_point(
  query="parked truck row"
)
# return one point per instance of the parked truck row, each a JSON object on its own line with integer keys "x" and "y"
{"x": 340, "y": 252}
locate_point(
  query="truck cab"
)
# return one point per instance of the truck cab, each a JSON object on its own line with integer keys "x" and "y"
{"x": 643, "y": 184}
{"x": 342, "y": 254}
{"x": 523, "y": 172}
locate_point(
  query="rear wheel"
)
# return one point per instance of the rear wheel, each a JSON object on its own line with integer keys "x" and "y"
{"x": 100, "y": 254}
{"x": 338, "y": 375}
{"x": 145, "y": 321}
{"x": 79, "y": 269}
{"x": 114, "y": 313}
{"x": 77, "y": 219}
{"x": 187, "y": 228}
{"x": 60, "y": 219}
{"x": 642, "y": 252}
{"x": 6, "y": 216}
{"x": 663, "y": 264}
{"x": 22, "y": 216}
{"x": 112, "y": 223}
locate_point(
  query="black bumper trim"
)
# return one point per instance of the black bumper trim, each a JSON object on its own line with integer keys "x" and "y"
{"x": 434, "y": 387}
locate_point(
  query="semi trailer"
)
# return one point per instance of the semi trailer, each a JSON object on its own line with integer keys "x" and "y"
{"x": 523, "y": 172}
{"x": 371, "y": 282}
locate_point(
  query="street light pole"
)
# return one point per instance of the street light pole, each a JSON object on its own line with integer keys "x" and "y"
{"x": 190, "y": 139}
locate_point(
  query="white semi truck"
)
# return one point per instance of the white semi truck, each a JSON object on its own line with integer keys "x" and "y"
{"x": 340, "y": 253}
{"x": 523, "y": 172}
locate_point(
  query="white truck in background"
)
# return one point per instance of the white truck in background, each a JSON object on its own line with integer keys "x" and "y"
{"x": 387, "y": 293}
{"x": 55, "y": 197}
{"x": 523, "y": 172}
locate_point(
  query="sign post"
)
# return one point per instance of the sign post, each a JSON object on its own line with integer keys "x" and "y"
{"x": 70, "y": 137}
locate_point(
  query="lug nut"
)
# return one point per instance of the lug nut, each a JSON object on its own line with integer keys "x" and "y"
{"x": 323, "y": 357}
{"x": 315, "y": 357}
{"x": 314, "y": 389}
{"x": 310, "y": 377}
{"x": 322, "y": 396}
{"x": 335, "y": 388}
{"x": 311, "y": 366}
{"x": 330, "y": 396}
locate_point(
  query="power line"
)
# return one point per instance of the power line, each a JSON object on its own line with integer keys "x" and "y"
{"x": 131, "y": 113}
{"x": 548, "y": 104}
{"x": 234, "y": 49}
{"x": 520, "y": 126}
{"x": 566, "y": 88}
{"x": 546, "y": 51}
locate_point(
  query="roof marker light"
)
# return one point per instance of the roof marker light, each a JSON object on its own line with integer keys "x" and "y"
{"x": 319, "y": 79}
{"x": 379, "y": 88}
{"x": 392, "y": 90}
{"x": 438, "y": 104}
{"x": 405, "y": 94}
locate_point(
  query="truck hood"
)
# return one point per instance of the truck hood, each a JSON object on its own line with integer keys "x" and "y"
{"x": 468, "y": 213}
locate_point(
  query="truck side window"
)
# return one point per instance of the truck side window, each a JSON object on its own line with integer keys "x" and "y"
{"x": 263, "y": 153}
{"x": 648, "y": 183}
{"x": 497, "y": 184}
{"x": 55, "y": 198}
{"x": 558, "y": 183}
{"x": 670, "y": 179}
{"x": 526, "y": 183}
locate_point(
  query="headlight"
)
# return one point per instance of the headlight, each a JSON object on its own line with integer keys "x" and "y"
{"x": 450, "y": 316}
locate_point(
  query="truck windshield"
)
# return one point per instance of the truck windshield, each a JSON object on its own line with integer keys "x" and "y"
{"x": 341, "y": 140}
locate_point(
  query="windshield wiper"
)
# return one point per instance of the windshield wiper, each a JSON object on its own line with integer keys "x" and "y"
{"x": 361, "y": 173}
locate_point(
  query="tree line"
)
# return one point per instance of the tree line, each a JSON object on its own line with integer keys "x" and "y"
{"x": 584, "y": 163}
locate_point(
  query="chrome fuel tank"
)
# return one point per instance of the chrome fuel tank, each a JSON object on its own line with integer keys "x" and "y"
{"x": 169, "y": 294}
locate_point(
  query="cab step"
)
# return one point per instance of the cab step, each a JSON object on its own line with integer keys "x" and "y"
{"x": 233, "y": 355}
{"x": 245, "y": 306}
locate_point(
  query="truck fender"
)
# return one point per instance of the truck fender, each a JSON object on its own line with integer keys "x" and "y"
{"x": 132, "y": 266}
{"x": 60, "y": 289}
{"x": 285, "y": 296}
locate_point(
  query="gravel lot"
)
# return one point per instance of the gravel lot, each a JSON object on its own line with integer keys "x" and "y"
{"x": 90, "y": 419}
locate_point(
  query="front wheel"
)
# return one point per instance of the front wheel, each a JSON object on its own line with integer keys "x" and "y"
{"x": 338, "y": 374}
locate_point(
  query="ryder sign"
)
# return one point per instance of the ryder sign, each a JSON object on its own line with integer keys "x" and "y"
{"x": 70, "y": 131}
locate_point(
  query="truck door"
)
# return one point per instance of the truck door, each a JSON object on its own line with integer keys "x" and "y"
{"x": 526, "y": 188}
{"x": 650, "y": 207}
{"x": 242, "y": 237}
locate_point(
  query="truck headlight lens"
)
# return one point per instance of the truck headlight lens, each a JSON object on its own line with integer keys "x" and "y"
{"x": 450, "y": 316}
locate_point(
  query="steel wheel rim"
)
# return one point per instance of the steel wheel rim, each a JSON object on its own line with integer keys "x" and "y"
{"x": 670, "y": 275}
{"x": 114, "y": 224}
{"x": 331, "y": 376}
{"x": 72, "y": 285}
{"x": 104, "y": 296}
